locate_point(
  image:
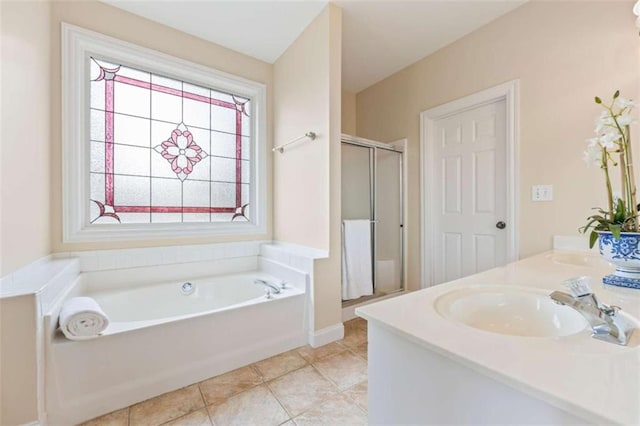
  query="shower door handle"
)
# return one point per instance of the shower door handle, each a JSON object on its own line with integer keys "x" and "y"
{"x": 501, "y": 225}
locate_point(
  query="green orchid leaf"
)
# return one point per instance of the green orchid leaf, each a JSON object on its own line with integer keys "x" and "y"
{"x": 615, "y": 230}
{"x": 620, "y": 212}
{"x": 589, "y": 224}
{"x": 593, "y": 237}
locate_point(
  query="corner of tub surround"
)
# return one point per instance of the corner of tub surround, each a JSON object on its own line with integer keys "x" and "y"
{"x": 293, "y": 249}
{"x": 103, "y": 260}
{"x": 297, "y": 278}
{"x": 293, "y": 255}
{"x": 43, "y": 283}
{"x": 326, "y": 335}
{"x": 279, "y": 254}
{"x": 46, "y": 277}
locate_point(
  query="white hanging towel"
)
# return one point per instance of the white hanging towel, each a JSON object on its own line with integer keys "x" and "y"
{"x": 356, "y": 259}
{"x": 81, "y": 318}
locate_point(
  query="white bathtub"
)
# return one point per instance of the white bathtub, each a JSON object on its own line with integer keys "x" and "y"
{"x": 144, "y": 306}
{"x": 160, "y": 339}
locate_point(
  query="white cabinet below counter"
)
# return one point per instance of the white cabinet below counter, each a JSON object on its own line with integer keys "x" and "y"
{"x": 409, "y": 384}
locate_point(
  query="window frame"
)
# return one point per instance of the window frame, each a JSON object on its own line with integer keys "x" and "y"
{"x": 78, "y": 45}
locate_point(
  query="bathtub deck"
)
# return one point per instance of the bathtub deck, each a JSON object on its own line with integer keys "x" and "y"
{"x": 326, "y": 385}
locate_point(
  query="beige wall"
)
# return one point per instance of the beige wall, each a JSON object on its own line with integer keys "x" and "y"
{"x": 564, "y": 54}
{"x": 307, "y": 176}
{"x": 114, "y": 22}
{"x": 301, "y": 104}
{"x": 348, "y": 112}
{"x": 24, "y": 120}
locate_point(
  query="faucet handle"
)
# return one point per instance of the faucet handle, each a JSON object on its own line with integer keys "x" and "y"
{"x": 612, "y": 310}
{"x": 283, "y": 285}
{"x": 579, "y": 286}
{"x": 267, "y": 291}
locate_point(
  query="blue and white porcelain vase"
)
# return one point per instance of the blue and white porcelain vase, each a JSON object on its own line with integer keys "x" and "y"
{"x": 623, "y": 252}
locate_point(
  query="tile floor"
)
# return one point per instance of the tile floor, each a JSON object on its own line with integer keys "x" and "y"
{"x": 305, "y": 386}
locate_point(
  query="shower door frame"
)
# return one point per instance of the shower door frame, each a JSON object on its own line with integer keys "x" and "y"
{"x": 399, "y": 148}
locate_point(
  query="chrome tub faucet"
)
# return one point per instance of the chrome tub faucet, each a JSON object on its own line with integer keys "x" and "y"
{"x": 605, "y": 321}
{"x": 269, "y": 288}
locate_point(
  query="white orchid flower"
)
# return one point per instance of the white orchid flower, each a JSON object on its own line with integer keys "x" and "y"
{"x": 593, "y": 155}
{"x": 625, "y": 103}
{"x": 593, "y": 142}
{"x": 612, "y": 140}
{"x": 625, "y": 120}
{"x": 604, "y": 122}
{"x": 609, "y": 140}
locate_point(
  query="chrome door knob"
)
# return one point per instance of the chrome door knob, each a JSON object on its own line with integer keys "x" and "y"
{"x": 501, "y": 225}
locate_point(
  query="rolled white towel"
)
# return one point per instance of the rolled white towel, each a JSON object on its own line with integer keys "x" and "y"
{"x": 82, "y": 318}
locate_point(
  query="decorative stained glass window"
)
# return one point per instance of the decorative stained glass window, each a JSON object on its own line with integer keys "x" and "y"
{"x": 163, "y": 150}
{"x": 157, "y": 147}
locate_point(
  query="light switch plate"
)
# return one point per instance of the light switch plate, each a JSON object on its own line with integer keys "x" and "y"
{"x": 542, "y": 193}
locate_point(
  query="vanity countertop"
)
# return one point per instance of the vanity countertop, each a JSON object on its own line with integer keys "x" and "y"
{"x": 592, "y": 379}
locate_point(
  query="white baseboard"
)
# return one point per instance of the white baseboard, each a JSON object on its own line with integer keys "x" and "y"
{"x": 326, "y": 335}
{"x": 349, "y": 313}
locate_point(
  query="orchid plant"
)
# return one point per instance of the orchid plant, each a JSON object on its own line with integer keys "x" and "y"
{"x": 611, "y": 148}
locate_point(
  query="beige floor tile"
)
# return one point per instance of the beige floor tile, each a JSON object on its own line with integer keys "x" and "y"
{"x": 256, "y": 407}
{"x": 280, "y": 364}
{"x": 166, "y": 407}
{"x": 301, "y": 389}
{"x": 344, "y": 369}
{"x": 351, "y": 326}
{"x": 335, "y": 411}
{"x": 354, "y": 336}
{"x": 218, "y": 389}
{"x": 361, "y": 350}
{"x": 358, "y": 394}
{"x": 241, "y": 397}
{"x": 116, "y": 418}
{"x": 314, "y": 354}
{"x": 357, "y": 322}
{"x": 197, "y": 418}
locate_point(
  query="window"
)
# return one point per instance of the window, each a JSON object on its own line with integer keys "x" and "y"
{"x": 161, "y": 147}
{"x": 164, "y": 150}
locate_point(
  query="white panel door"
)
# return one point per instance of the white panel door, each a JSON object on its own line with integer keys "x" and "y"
{"x": 470, "y": 192}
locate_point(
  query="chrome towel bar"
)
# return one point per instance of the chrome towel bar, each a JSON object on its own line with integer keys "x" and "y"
{"x": 310, "y": 135}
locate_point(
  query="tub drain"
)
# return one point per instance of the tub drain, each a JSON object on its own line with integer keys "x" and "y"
{"x": 188, "y": 288}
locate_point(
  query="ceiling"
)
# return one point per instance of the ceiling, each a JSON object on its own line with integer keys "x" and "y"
{"x": 379, "y": 37}
{"x": 262, "y": 29}
{"x": 382, "y": 37}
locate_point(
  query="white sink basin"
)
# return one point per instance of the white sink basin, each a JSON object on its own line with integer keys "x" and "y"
{"x": 510, "y": 310}
{"x": 580, "y": 260}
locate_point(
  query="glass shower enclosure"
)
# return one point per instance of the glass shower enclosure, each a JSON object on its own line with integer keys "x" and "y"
{"x": 372, "y": 189}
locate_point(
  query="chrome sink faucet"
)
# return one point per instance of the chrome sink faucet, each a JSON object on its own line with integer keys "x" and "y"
{"x": 605, "y": 321}
{"x": 268, "y": 287}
